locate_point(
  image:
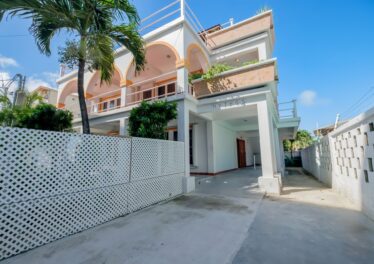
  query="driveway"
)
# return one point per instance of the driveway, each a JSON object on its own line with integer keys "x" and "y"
{"x": 207, "y": 226}
{"x": 226, "y": 221}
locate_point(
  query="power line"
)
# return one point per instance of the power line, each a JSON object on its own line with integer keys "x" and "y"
{"x": 359, "y": 104}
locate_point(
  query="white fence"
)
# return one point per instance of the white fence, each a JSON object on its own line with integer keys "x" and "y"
{"x": 345, "y": 159}
{"x": 56, "y": 184}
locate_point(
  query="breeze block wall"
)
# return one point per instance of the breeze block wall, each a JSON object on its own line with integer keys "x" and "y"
{"x": 349, "y": 152}
{"x": 56, "y": 184}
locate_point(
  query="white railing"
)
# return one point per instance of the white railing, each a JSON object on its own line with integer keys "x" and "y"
{"x": 104, "y": 106}
{"x": 287, "y": 110}
{"x": 156, "y": 92}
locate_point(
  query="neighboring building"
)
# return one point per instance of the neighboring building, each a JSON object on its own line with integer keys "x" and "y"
{"x": 49, "y": 94}
{"x": 323, "y": 131}
{"x": 226, "y": 123}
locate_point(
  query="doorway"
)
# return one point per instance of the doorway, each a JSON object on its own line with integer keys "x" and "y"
{"x": 242, "y": 163}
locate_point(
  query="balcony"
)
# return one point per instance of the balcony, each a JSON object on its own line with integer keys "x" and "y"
{"x": 236, "y": 79}
{"x": 257, "y": 24}
{"x": 135, "y": 95}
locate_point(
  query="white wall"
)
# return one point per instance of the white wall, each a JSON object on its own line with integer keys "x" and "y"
{"x": 200, "y": 147}
{"x": 342, "y": 159}
{"x": 225, "y": 150}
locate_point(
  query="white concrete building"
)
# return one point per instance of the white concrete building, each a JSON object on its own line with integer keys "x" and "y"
{"x": 226, "y": 123}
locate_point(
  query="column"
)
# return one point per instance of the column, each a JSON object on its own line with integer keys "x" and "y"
{"x": 182, "y": 80}
{"x": 184, "y": 136}
{"x": 123, "y": 125}
{"x": 210, "y": 146}
{"x": 269, "y": 182}
{"x": 123, "y": 96}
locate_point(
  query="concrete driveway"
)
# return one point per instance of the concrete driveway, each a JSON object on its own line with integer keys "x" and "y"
{"x": 207, "y": 226}
{"x": 226, "y": 221}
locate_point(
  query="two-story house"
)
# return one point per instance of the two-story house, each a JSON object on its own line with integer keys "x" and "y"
{"x": 230, "y": 121}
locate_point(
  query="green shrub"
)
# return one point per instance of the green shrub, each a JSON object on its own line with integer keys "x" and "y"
{"x": 194, "y": 76}
{"x": 216, "y": 70}
{"x": 246, "y": 63}
{"x": 150, "y": 119}
{"x": 45, "y": 117}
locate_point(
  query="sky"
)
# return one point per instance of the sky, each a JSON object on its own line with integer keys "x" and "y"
{"x": 325, "y": 51}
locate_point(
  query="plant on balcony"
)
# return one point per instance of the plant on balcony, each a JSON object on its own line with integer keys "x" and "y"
{"x": 194, "y": 76}
{"x": 215, "y": 70}
{"x": 97, "y": 26}
{"x": 150, "y": 119}
{"x": 246, "y": 63}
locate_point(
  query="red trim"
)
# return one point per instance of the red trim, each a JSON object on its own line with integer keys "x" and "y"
{"x": 210, "y": 173}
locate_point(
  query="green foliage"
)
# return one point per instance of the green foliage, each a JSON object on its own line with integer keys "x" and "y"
{"x": 215, "y": 70}
{"x": 246, "y": 63}
{"x": 194, "y": 76}
{"x": 33, "y": 115}
{"x": 46, "y": 117}
{"x": 150, "y": 119}
{"x": 303, "y": 139}
{"x": 97, "y": 27}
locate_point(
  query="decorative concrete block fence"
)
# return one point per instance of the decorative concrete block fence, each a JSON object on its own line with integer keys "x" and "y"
{"x": 345, "y": 159}
{"x": 56, "y": 184}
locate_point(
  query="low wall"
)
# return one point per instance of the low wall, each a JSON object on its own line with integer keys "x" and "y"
{"x": 56, "y": 184}
{"x": 345, "y": 159}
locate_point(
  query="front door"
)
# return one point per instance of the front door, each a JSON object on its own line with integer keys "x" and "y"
{"x": 241, "y": 153}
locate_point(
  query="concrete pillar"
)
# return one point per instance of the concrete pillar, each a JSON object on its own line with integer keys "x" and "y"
{"x": 123, "y": 127}
{"x": 210, "y": 146}
{"x": 269, "y": 182}
{"x": 123, "y": 96}
{"x": 182, "y": 80}
{"x": 184, "y": 136}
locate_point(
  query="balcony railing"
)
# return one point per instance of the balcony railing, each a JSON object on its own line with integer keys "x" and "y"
{"x": 236, "y": 79}
{"x": 287, "y": 110}
{"x": 157, "y": 92}
{"x": 104, "y": 106}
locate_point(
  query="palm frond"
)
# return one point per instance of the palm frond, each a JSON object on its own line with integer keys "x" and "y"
{"x": 128, "y": 36}
{"x": 122, "y": 9}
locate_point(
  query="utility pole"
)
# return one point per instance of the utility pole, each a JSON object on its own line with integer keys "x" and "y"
{"x": 336, "y": 121}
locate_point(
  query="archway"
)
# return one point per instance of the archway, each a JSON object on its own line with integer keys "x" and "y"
{"x": 68, "y": 98}
{"x": 103, "y": 96}
{"x": 158, "y": 79}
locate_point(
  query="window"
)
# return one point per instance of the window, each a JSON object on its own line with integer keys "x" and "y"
{"x": 161, "y": 91}
{"x": 358, "y": 131}
{"x": 347, "y": 171}
{"x": 355, "y": 140}
{"x": 371, "y": 126}
{"x": 366, "y": 176}
{"x": 358, "y": 163}
{"x": 171, "y": 88}
{"x": 105, "y": 106}
{"x": 147, "y": 95}
{"x": 355, "y": 173}
{"x": 366, "y": 139}
{"x": 352, "y": 153}
{"x": 175, "y": 135}
{"x": 112, "y": 104}
{"x": 370, "y": 164}
{"x": 350, "y": 162}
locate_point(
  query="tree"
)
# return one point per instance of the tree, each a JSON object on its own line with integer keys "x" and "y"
{"x": 150, "y": 120}
{"x": 33, "y": 113}
{"x": 46, "y": 117}
{"x": 98, "y": 25}
{"x": 303, "y": 139}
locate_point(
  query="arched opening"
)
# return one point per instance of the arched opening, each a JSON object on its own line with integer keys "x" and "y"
{"x": 68, "y": 98}
{"x": 103, "y": 96}
{"x": 158, "y": 79}
{"x": 197, "y": 60}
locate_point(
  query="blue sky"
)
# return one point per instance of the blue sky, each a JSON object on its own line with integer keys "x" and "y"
{"x": 324, "y": 49}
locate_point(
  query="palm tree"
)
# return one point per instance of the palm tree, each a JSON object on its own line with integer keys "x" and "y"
{"x": 97, "y": 24}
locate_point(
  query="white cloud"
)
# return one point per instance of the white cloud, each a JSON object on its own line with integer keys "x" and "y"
{"x": 32, "y": 83}
{"x": 308, "y": 98}
{"x": 4, "y": 76}
{"x": 5, "y": 62}
{"x": 51, "y": 77}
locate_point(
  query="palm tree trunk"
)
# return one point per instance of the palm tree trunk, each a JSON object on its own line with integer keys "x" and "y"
{"x": 82, "y": 99}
